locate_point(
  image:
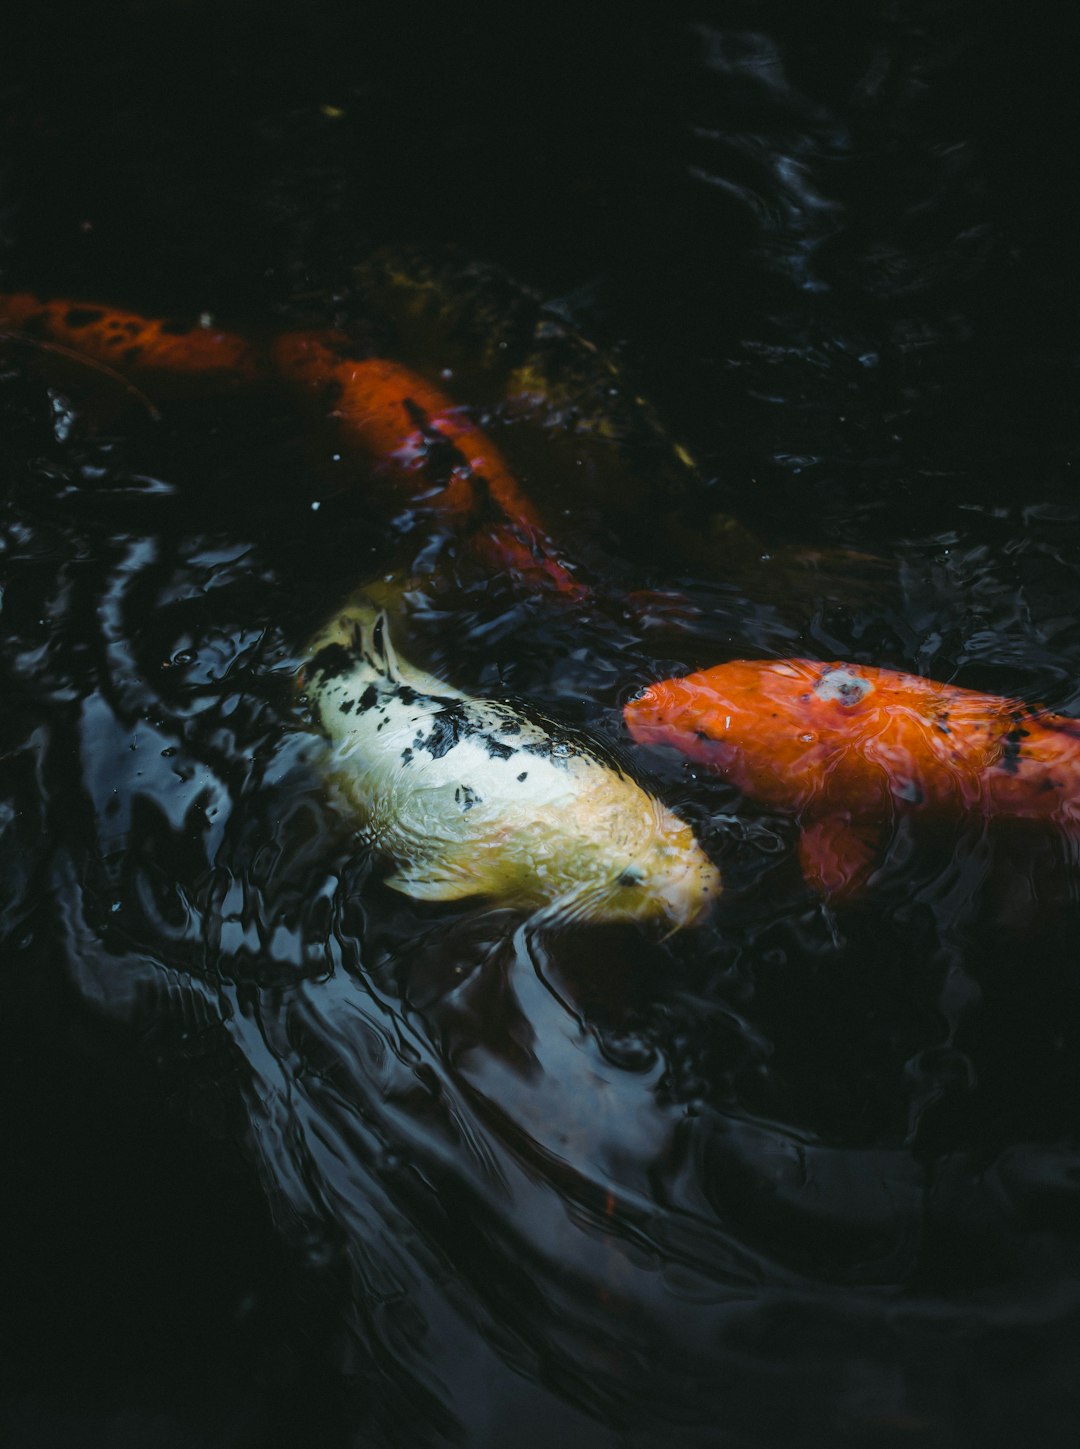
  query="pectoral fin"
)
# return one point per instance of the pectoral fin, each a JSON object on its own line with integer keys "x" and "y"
{"x": 837, "y": 854}
{"x": 426, "y": 881}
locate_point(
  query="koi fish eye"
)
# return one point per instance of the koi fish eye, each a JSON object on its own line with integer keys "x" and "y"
{"x": 633, "y": 875}
{"x": 842, "y": 685}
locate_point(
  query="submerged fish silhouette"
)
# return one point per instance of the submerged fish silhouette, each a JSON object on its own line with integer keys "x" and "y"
{"x": 849, "y": 749}
{"x": 483, "y": 797}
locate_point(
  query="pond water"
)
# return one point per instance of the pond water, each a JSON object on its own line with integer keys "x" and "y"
{"x": 289, "y": 1158}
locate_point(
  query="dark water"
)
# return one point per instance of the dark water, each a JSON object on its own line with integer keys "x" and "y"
{"x": 289, "y": 1159}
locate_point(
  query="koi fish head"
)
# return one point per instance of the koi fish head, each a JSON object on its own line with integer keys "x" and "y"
{"x": 608, "y": 852}
{"x": 663, "y": 873}
{"x": 773, "y": 727}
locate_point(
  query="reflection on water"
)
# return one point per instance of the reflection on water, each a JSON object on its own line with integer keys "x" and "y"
{"x": 359, "y": 1166}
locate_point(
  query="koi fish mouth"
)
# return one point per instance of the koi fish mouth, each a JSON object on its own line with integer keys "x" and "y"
{"x": 689, "y": 897}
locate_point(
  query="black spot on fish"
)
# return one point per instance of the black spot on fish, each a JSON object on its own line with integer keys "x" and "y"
{"x": 561, "y": 741}
{"x": 444, "y": 461}
{"x": 441, "y": 457}
{"x": 942, "y": 724}
{"x": 331, "y": 661}
{"x": 631, "y": 876}
{"x": 467, "y": 797}
{"x": 348, "y": 706}
{"x": 369, "y": 697}
{"x": 82, "y": 316}
{"x": 523, "y": 776}
{"x": 416, "y": 414}
{"x": 176, "y": 329}
{"x": 496, "y": 749}
{"x": 487, "y": 512}
{"x": 406, "y": 756}
{"x": 447, "y": 729}
{"x": 407, "y": 694}
{"x": 1010, "y": 753}
{"x": 548, "y": 749}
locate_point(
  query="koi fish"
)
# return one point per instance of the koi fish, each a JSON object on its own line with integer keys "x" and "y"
{"x": 850, "y": 749}
{"x": 481, "y": 797}
{"x": 406, "y": 428}
{"x": 424, "y": 442}
{"x": 132, "y": 344}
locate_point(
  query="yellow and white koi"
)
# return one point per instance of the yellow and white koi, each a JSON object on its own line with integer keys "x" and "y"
{"x": 485, "y": 797}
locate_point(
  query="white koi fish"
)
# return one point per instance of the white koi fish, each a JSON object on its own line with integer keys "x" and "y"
{"x": 485, "y": 797}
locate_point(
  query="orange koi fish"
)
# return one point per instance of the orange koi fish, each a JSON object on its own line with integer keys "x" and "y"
{"x": 406, "y": 427}
{"x": 425, "y": 443}
{"x": 132, "y": 344}
{"x": 850, "y": 749}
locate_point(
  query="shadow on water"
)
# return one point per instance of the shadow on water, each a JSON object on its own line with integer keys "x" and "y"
{"x": 294, "y": 1159}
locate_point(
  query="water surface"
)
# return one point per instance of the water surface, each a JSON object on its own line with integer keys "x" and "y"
{"x": 293, "y": 1159}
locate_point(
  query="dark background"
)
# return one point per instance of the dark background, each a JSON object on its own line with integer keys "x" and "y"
{"x": 835, "y": 245}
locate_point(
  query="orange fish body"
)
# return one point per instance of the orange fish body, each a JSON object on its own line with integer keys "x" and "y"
{"x": 135, "y": 345}
{"x": 409, "y": 430}
{"x": 424, "y": 442}
{"x": 849, "y": 749}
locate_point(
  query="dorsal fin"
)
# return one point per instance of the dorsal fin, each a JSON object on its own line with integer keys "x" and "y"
{"x": 371, "y": 638}
{"x": 360, "y": 631}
